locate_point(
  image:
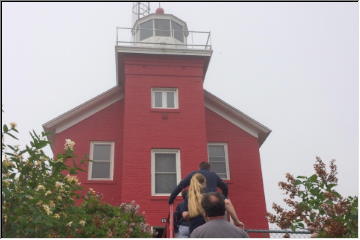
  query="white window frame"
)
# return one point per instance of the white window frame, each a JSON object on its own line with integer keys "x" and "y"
{"x": 178, "y": 169}
{"x": 164, "y": 97}
{"x": 112, "y": 144}
{"x": 226, "y": 157}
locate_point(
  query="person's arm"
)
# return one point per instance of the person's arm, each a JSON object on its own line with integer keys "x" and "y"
{"x": 183, "y": 184}
{"x": 223, "y": 186}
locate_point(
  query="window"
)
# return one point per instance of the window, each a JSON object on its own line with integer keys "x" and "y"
{"x": 165, "y": 171}
{"x": 218, "y": 159}
{"x": 146, "y": 30}
{"x": 162, "y": 27}
{"x": 178, "y": 31}
{"x": 164, "y": 98}
{"x": 102, "y": 164}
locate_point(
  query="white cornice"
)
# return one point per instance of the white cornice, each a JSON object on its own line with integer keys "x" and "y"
{"x": 162, "y": 51}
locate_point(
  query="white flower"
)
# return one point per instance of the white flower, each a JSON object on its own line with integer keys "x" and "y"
{"x": 82, "y": 222}
{"x": 13, "y": 125}
{"x": 52, "y": 204}
{"x": 69, "y": 144}
{"x": 40, "y": 187}
{"x": 48, "y": 192}
{"x": 29, "y": 197}
{"x": 37, "y": 163}
{"x": 69, "y": 224}
{"x": 59, "y": 184}
{"x": 72, "y": 179}
{"x": 59, "y": 198}
{"x": 47, "y": 209}
{"x": 57, "y": 216}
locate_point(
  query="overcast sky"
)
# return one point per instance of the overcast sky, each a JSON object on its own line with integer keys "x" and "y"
{"x": 291, "y": 66}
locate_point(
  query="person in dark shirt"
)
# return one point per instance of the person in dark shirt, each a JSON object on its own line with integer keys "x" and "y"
{"x": 213, "y": 181}
{"x": 181, "y": 225}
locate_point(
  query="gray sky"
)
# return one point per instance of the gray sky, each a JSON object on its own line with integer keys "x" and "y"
{"x": 291, "y": 66}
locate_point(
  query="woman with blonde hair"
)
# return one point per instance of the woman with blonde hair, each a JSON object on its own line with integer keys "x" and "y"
{"x": 196, "y": 213}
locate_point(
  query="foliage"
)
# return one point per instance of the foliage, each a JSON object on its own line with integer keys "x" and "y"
{"x": 315, "y": 205}
{"x": 41, "y": 196}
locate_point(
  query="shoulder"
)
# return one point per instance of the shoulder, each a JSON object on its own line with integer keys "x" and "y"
{"x": 197, "y": 233}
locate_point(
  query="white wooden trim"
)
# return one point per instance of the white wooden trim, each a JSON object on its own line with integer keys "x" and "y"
{"x": 178, "y": 168}
{"x": 83, "y": 111}
{"x": 63, "y": 126}
{"x": 164, "y": 97}
{"x": 112, "y": 144}
{"x": 226, "y": 157}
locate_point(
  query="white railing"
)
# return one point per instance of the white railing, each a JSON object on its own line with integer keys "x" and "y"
{"x": 193, "y": 39}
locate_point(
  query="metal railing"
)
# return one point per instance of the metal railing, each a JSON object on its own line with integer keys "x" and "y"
{"x": 278, "y": 233}
{"x": 192, "y": 39}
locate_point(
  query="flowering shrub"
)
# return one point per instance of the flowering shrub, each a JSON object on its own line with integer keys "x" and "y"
{"x": 315, "y": 205}
{"x": 38, "y": 199}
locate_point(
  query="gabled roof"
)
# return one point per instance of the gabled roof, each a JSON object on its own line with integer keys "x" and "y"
{"x": 83, "y": 111}
{"x": 105, "y": 99}
{"x": 236, "y": 117}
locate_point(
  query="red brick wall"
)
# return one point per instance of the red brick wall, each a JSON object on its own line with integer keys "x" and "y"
{"x": 146, "y": 129}
{"x": 245, "y": 186}
{"x": 105, "y": 125}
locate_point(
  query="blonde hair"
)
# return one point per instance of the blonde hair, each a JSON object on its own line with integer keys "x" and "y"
{"x": 197, "y": 184}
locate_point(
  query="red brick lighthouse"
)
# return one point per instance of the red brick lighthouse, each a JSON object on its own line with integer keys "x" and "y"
{"x": 158, "y": 123}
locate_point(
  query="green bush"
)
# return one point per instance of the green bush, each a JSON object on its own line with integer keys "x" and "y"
{"x": 39, "y": 194}
{"x": 315, "y": 205}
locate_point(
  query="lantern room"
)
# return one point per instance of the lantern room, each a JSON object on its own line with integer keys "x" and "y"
{"x": 160, "y": 30}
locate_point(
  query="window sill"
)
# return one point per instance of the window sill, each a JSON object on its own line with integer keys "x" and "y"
{"x": 168, "y": 110}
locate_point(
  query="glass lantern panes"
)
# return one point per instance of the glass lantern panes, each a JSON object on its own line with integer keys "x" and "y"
{"x": 162, "y": 27}
{"x": 146, "y": 30}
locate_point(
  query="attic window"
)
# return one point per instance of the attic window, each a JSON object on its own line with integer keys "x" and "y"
{"x": 166, "y": 98}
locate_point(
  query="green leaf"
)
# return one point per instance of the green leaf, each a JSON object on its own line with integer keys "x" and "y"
{"x": 313, "y": 178}
{"x": 5, "y": 128}
{"x": 11, "y": 135}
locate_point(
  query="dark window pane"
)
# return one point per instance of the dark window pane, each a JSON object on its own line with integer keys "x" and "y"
{"x": 216, "y": 151}
{"x": 178, "y": 31}
{"x": 219, "y": 168}
{"x": 102, "y": 152}
{"x": 165, "y": 183}
{"x": 146, "y": 30}
{"x": 162, "y": 27}
{"x": 100, "y": 170}
{"x": 165, "y": 162}
{"x": 170, "y": 99}
{"x": 158, "y": 99}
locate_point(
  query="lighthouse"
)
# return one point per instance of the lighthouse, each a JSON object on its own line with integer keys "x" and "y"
{"x": 158, "y": 123}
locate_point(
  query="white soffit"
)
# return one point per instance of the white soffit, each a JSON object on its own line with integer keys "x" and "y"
{"x": 83, "y": 111}
{"x": 236, "y": 117}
